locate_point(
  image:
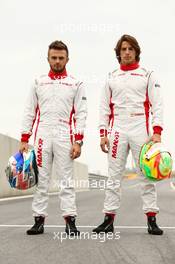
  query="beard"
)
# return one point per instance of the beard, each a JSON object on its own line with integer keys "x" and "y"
{"x": 58, "y": 69}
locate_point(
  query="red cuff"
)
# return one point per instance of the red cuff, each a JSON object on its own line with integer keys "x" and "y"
{"x": 103, "y": 132}
{"x": 111, "y": 214}
{"x": 157, "y": 130}
{"x": 25, "y": 138}
{"x": 151, "y": 214}
{"x": 78, "y": 137}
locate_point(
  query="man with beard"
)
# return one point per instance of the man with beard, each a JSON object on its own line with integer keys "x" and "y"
{"x": 55, "y": 98}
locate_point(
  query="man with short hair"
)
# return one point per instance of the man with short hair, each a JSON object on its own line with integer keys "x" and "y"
{"x": 56, "y": 98}
{"x": 127, "y": 97}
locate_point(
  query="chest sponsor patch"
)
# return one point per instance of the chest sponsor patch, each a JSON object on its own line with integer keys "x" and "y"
{"x": 46, "y": 83}
{"x": 67, "y": 84}
{"x": 137, "y": 74}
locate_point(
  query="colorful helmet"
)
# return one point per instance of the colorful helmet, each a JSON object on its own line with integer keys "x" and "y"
{"x": 155, "y": 161}
{"x": 22, "y": 171}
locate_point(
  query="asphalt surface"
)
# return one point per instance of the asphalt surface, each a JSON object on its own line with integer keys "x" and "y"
{"x": 130, "y": 243}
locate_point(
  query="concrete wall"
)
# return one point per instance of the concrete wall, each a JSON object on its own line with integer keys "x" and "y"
{"x": 8, "y": 147}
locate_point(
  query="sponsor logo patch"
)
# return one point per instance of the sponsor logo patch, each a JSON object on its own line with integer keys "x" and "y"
{"x": 67, "y": 84}
{"x": 39, "y": 152}
{"x": 46, "y": 83}
{"x": 121, "y": 74}
{"x": 115, "y": 145}
{"x": 137, "y": 74}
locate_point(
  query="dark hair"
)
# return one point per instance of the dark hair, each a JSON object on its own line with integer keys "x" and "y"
{"x": 58, "y": 45}
{"x": 132, "y": 41}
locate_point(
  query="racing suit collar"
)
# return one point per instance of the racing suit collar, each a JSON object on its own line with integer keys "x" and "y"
{"x": 130, "y": 67}
{"x": 54, "y": 75}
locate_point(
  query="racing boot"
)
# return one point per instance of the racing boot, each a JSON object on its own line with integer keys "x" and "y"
{"x": 153, "y": 228}
{"x": 71, "y": 228}
{"x": 107, "y": 226}
{"x": 38, "y": 227}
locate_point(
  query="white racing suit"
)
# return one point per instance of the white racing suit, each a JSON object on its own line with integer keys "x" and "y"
{"x": 55, "y": 101}
{"x": 125, "y": 106}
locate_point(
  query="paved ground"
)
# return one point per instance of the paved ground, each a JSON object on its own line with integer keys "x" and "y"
{"x": 130, "y": 243}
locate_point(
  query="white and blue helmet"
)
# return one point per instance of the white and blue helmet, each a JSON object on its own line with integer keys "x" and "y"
{"x": 22, "y": 170}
